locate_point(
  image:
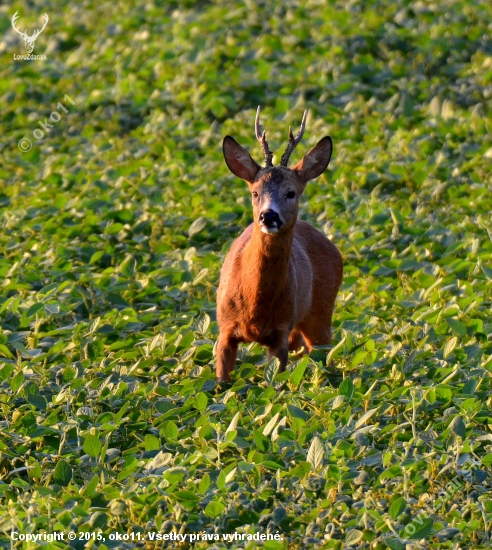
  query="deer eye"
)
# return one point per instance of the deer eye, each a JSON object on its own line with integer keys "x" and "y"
{"x": 255, "y": 194}
{"x": 290, "y": 195}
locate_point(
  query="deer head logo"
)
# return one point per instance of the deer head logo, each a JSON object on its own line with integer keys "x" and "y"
{"x": 29, "y": 41}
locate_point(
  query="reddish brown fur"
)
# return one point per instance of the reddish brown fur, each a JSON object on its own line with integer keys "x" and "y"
{"x": 277, "y": 289}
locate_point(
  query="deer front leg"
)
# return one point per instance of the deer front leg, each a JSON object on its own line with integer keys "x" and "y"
{"x": 281, "y": 352}
{"x": 226, "y": 356}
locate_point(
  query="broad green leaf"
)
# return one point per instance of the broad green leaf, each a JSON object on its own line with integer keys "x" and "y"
{"x": 233, "y": 424}
{"x": 296, "y": 412}
{"x": 186, "y": 496}
{"x": 92, "y": 445}
{"x": 423, "y": 530}
{"x": 271, "y": 370}
{"x": 35, "y": 309}
{"x": 17, "y": 381}
{"x": 197, "y": 226}
{"x": 202, "y": 323}
{"x": 152, "y": 442}
{"x": 365, "y": 417}
{"x": 316, "y": 453}
{"x": 128, "y": 267}
{"x": 37, "y": 401}
{"x": 353, "y": 536}
{"x": 231, "y": 475}
{"x": 221, "y": 480}
{"x": 118, "y": 507}
{"x": 5, "y": 352}
{"x": 458, "y": 426}
{"x": 347, "y": 389}
{"x": 449, "y": 346}
{"x": 299, "y": 370}
{"x": 204, "y": 483}
{"x": 63, "y": 473}
{"x": 170, "y": 431}
{"x": 300, "y": 470}
{"x": 430, "y": 395}
{"x": 391, "y": 473}
{"x": 394, "y": 544}
{"x": 396, "y": 508}
{"x": 214, "y": 509}
{"x": 90, "y": 488}
{"x": 35, "y": 470}
{"x": 334, "y": 472}
{"x": 335, "y": 350}
{"x": 261, "y": 442}
{"x": 267, "y": 430}
{"x": 487, "y": 460}
{"x": 201, "y": 401}
{"x": 457, "y": 327}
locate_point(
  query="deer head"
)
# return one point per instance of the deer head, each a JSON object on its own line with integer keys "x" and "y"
{"x": 276, "y": 190}
{"x": 29, "y": 41}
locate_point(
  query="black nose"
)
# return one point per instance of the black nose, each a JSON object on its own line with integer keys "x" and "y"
{"x": 270, "y": 218}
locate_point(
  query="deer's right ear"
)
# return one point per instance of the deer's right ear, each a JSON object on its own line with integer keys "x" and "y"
{"x": 239, "y": 161}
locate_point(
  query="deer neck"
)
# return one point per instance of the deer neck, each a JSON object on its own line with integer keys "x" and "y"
{"x": 266, "y": 264}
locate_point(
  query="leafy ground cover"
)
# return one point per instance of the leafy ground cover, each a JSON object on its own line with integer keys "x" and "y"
{"x": 114, "y": 227}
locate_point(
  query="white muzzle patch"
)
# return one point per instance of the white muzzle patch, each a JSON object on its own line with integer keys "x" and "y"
{"x": 269, "y": 230}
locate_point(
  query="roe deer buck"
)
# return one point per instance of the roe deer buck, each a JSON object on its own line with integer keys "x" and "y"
{"x": 280, "y": 279}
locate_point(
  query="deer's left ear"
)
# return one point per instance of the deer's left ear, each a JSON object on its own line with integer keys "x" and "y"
{"x": 315, "y": 161}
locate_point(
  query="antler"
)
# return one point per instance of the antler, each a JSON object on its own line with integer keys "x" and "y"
{"x": 14, "y": 19}
{"x": 293, "y": 141}
{"x": 261, "y": 138}
{"x": 35, "y": 34}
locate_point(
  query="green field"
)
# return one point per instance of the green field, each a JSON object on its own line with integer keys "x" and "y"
{"x": 113, "y": 229}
